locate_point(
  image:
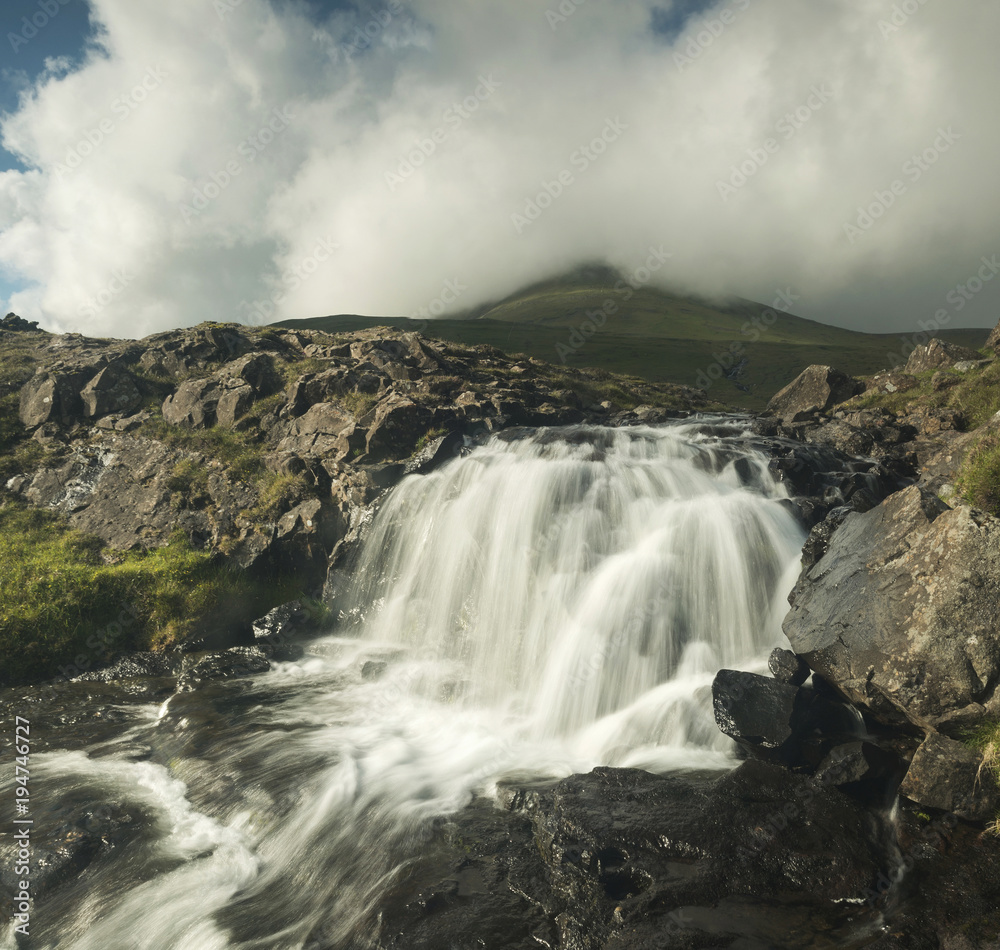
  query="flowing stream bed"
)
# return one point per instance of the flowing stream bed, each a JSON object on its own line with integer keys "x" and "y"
{"x": 553, "y": 601}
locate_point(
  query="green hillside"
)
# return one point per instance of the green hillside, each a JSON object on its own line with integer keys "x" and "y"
{"x": 741, "y": 351}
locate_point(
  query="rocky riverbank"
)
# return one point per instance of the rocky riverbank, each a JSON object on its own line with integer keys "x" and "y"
{"x": 260, "y": 452}
{"x": 859, "y": 816}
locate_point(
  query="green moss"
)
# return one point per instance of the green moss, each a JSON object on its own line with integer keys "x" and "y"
{"x": 358, "y": 404}
{"x": 427, "y": 438}
{"x": 240, "y": 452}
{"x": 978, "y": 479}
{"x": 69, "y": 604}
{"x": 188, "y": 483}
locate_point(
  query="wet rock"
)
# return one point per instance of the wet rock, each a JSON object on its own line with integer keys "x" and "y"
{"x": 864, "y": 769}
{"x": 815, "y": 389}
{"x": 194, "y": 404}
{"x": 900, "y": 612}
{"x": 754, "y": 710}
{"x": 949, "y": 776}
{"x": 135, "y": 665}
{"x": 228, "y": 664}
{"x": 937, "y": 354}
{"x": 620, "y": 858}
{"x": 788, "y": 668}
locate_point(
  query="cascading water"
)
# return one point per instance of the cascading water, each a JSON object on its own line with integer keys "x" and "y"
{"x": 549, "y": 603}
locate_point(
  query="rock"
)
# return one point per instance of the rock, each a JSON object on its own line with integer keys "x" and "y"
{"x": 620, "y": 859}
{"x": 234, "y": 403}
{"x": 900, "y": 612}
{"x": 276, "y": 632}
{"x": 326, "y": 430}
{"x": 234, "y": 662}
{"x": 257, "y": 371}
{"x": 788, "y": 668}
{"x": 815, "y": 389}
{"x": 864, "y": 768}
{"x": 55, "y": 396}
{"x": 937, "y": 354}
{"x": 941, "y": 381}
{"x": 754, "y": 710}
{"x": 949, "y": 776}
{"x": 398, "y": 425}
{"x": 890, "y": 381}
{"x": 435, "y": 454}
{"x": 135, "y": 665}
{"x": 193, "y": 404}
{"x": 111, "y": 390}
{"x": 993, "y": 341}
{"x": 16, "y": 324}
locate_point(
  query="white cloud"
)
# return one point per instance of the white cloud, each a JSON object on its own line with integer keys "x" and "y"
{"x": 229, "y": 148}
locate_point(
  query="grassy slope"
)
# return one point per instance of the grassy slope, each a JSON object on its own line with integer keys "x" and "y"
{"x": 656, "y": 335}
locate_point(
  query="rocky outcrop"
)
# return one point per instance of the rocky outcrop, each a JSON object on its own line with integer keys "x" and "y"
{"x": 814, "y": 390}
{"x": 900, "y": 612}
{"x": 937, "y": 354}
{"x": 993, "y": 341}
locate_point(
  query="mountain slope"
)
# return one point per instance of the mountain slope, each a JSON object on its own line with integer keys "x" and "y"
{"x": 741, "y": 351}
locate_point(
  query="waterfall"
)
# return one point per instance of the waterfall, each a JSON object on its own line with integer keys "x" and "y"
{"x": 553, "y": 601}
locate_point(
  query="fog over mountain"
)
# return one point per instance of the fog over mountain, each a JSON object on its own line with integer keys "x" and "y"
{"x": 239, "y": 159}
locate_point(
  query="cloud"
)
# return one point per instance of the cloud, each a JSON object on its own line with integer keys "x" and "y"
{"x": 236, "y": 160}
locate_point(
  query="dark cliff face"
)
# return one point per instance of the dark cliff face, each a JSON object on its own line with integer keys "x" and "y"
{"x": 265, "y": 447}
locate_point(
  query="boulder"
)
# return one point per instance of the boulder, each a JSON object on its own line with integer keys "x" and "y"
{"x": 993, "y": 341}
{"x": 900, "y": 612}
{"x": 815, "y": 389}
{"x": 754, "y": 710}
{"x": 326, "y": 430}
{"x": 55, "y": 396}
{"x": 234, "y": 403}
{"x": 398, "y": 425}
{"x": 17, "y": 324}
{"x": 788, "y": 668}
{"x": 949, "y": 776}
{"x": 890, "y": 381}
{"x": 937, "y": 354}
{"x": 194, "y": 404}
{"x": 227, "y": 664}
{"x": 112, "y": 390}
{"x": 257, "y": 371}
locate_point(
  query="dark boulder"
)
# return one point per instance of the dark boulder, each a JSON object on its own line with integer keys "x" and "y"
{"x": 788, "y": 668}
{"x": 949, "y": 776}
{"x": 754, "y": 710}
{"x": 900, "y": 613}
{"x": 227, "y": 664}
{"x": 398, "y": 426}
{"x": 815, "y": 389}
{"x": 16, "y": 324}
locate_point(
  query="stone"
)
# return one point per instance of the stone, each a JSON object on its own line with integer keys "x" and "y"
{"x": 754, "y": 710}
{"x": 233, "y": 404}
{"x": 112, "y": 390}
{"x": 436, "y": 453}
{"x": 326, "y": 430}
{"x": 16, "y": 324}
{"x": 815, "y": 389}
{"x": 949, "y": 776}
{"x": 194, "y": 404}
{"x": 900, "y": 613}
{"x": 227, "y": 664}
{"x": 937, "y": 354}
{"x": 993, "y": 341}
{"x": 788, "y": 668}
{"x": 398, "y": 425}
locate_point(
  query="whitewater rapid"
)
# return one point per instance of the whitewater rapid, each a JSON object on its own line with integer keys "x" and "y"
{"x": 550, "y": 602}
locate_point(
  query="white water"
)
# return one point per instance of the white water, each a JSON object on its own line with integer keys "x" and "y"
{"x": 541, "y": 606}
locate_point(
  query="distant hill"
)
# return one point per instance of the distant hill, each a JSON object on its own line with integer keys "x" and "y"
{"x": 741, "y": 350}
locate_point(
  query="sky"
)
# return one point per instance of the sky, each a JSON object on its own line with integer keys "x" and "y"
{"x": 255, "y": 160}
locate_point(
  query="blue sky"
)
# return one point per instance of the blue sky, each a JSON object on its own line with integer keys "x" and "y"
{"x": 213, "y": 159}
